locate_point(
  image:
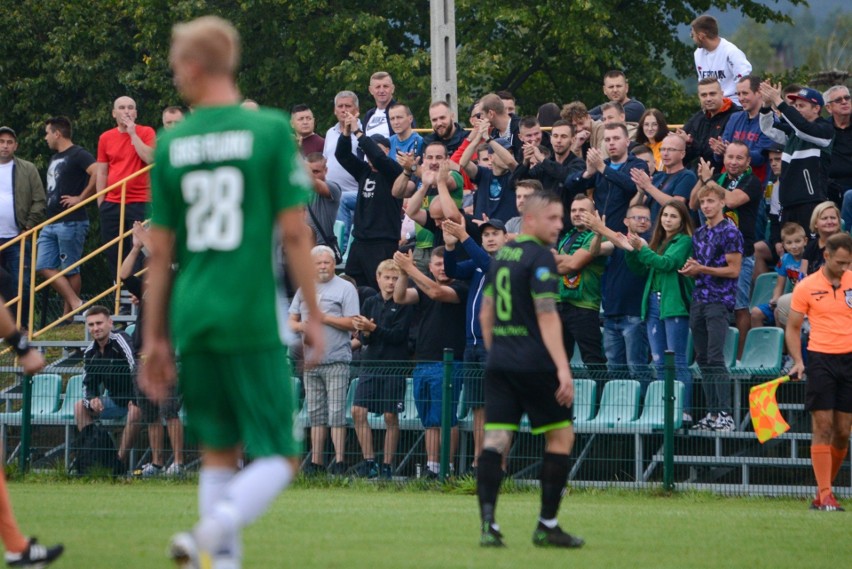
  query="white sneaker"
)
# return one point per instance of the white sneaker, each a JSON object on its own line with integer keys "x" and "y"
{"x": 705, "y": 424}
{"x": 149, "y": 470}
{"x": 724, "y": 422}
{"x": 174, "y": 469}
{"x": 186, "y": 554}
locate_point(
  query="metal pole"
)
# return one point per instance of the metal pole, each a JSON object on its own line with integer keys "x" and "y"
{"x": 668, "y": 417}
{"x": 446, "y": 413}
{"x": 443, "y": 36}
{"x": 26, "y": 427}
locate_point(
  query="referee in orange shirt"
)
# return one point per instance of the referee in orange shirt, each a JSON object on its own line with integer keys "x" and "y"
{"x": 825, "y": 297}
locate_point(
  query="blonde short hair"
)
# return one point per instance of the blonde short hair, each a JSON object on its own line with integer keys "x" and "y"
{"x": 211, "y": 41}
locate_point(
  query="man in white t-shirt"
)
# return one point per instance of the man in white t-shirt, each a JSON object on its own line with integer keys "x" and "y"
{"x": 717, "y": 57}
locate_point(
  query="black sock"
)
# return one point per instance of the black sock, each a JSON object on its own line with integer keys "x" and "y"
{"x": 554, "y": 475}
{"x": 488, "y": 477}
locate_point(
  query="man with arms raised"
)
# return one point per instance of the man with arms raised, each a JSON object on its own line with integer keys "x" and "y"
{"x": 225, "y": 178}
{"x": 527, "y": 370}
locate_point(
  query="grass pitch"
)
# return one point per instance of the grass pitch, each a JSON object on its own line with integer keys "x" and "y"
{"x": 127, "y": 525}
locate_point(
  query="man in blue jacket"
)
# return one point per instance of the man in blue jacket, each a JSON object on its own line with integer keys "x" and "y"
{"x": 474, "y": 269}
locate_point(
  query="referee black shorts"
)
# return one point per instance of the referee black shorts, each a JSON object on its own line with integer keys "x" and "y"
{"x": 510, "y": 394}
{"x": 829, "y": 382}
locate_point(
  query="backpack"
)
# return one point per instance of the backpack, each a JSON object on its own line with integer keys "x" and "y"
{"x": 96, "y": 453}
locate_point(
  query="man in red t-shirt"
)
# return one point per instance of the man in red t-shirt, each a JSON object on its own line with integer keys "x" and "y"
{"x": 121, "y": 152}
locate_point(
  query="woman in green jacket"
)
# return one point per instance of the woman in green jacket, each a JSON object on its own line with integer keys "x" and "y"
{"x": 667, "y": 294}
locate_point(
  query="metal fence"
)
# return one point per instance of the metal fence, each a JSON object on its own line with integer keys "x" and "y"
{"x": 634, "y": 431}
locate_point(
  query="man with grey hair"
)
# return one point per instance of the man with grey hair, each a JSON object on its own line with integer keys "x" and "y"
{"x": 327, "y": 383}
{"x": 838, "y": 103}
{"x": 345, "y": 104}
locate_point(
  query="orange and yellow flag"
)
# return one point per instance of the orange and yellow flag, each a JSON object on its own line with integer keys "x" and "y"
{"x": 765, "y": 414}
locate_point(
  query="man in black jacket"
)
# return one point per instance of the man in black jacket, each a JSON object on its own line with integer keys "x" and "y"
{"x": 807, "y": 140}
{"x": 109, "y": 365}
{"x": 377, "y": 223}
{"x": 610, "y": 178}
{"x": 444, "y": 127}
{"x": 708, "y": 123}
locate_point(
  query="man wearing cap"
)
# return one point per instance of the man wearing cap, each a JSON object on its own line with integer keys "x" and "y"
{"x": 807, "y": 140}
{"x": 22, "y": 205}
{"x": 377, "y": 219}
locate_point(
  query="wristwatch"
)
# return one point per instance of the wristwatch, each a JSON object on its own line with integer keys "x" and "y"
{"x": 19, "y": 342}
{"x": 412, "y": 168}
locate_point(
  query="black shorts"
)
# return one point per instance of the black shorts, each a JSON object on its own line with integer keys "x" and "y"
{"x": 380, "y": 393}
{"x": 365, "y": 256}
{"x": 168, "y": 409}
{"x": 510, "y": 394}
{"x": 829, "y": 382}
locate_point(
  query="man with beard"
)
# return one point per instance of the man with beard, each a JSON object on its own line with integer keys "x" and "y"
{"x": 444, "y": 127}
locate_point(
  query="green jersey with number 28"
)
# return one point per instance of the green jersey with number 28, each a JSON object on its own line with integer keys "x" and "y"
{"x": 221, "y": 178}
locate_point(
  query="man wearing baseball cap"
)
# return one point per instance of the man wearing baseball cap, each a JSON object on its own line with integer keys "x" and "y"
{"x": 22, "y": 205}
{"x": 807, "y": 140}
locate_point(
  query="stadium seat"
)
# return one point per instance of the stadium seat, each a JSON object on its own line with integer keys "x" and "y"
{"x": 764, "y": 286}
{"x": 73, "y": 393}
{"x": 47, "y": 388}
{"x": 348, "y": 245}
{"x": 619, "y": 404}
{"x": 350, "y": 398}
{"x": 762, "y": 352}
{"x": 653, "y": 410}
{"x": 585, "y": 395}
{"x": 339, "y": 230}
{"x": 130, "y": 329}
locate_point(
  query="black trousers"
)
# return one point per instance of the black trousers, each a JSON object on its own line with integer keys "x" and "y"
{"x": 110, "y": 217}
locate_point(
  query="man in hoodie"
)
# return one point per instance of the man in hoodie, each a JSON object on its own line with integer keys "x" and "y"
{"x": 807, "y": 140}
{"x": 474, "y": 269}
{"x": 709, "y": 122}
{"x": 744, "y": 127}
{"x": 377, "y": 220}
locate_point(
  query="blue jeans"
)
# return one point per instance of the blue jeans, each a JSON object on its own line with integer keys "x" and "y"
{"x": 429, "y": 392}
{"x": 670, "y": 334}
{"x": 60, "y": 245}
{"x": 626, "y": 346}
{"x": 846, "y": 210}
{"x": 345, "y": 213}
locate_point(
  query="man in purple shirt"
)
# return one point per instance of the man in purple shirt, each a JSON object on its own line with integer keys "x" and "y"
{"x": 718, "y": 246}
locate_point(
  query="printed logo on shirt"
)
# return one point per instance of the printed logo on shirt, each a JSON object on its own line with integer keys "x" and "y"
{"x": 848, "y": 294}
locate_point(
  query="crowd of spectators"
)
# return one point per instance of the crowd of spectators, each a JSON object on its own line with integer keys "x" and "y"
{"x": 665, "y": 230}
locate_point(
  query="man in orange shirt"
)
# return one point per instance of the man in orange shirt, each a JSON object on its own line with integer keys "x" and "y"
{"x": 122, "y": 151}
{"x": 825, "y": 297}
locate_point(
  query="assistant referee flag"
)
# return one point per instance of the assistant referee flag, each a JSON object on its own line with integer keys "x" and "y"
{"x": 765, "y": 414}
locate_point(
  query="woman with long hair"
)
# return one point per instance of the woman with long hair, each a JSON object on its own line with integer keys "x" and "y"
{"x": 667, "y": 294}
{"x": 653, "y": 128}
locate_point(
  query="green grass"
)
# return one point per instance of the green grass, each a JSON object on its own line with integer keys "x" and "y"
{"x": 127, "y": 525}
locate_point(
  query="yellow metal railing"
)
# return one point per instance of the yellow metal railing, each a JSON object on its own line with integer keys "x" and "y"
{"x": 32, "y": 236}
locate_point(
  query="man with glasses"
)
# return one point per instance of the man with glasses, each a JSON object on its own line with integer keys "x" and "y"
{"x": 838, "y": 103}
{"x": 673, "y": 181}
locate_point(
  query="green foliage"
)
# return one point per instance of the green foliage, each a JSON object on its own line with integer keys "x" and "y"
{"x": 75, "y": 58}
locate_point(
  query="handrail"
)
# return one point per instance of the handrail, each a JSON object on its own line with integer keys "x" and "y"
{"x": 32, "y": 234}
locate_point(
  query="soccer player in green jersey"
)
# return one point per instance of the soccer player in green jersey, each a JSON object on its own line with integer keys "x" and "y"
{"x": 224, "y": 178}
{"x": 527, "y": 369}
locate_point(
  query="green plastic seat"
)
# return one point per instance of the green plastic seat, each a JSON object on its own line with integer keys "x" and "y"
{"x": 762, "y": 353}
{"x": 764, "y": 286}
{"x": 585, "y": 395}
{"x": 47, "y": 389}
{"x": 619, "y": 404}
{"x": 653, "y": 410}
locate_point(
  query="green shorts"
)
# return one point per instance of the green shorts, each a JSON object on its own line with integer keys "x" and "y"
{"x": 248, "y": 399}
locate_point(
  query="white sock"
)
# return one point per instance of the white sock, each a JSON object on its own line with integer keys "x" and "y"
{"x": 433, "y": 466}
{"x": 212, "y": 482}
{"x": 245, "y": 498}
{"x": 549, "y": 523}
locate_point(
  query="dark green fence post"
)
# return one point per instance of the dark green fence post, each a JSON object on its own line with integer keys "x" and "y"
{"x": 446, "y": 413}
{"x": 26, "y": 419}
{"x": 668, "y": 433}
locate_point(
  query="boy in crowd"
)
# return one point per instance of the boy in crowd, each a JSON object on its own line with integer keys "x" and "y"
{"x": 790, "y": 267}
{"x": 383, "y": 331}
{"x": 718, "y": 246}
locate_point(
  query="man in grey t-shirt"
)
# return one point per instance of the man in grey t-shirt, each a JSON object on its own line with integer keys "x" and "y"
{"x": 326, "y": 201}
{"x": 327, "y": 383}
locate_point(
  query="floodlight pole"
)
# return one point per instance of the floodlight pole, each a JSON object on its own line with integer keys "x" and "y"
{"x": 443, "y": 34}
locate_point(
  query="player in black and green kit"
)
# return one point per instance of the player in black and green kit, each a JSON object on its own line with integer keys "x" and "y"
{"x": 225, "y": 177}
{"x": 527, "y": 369}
